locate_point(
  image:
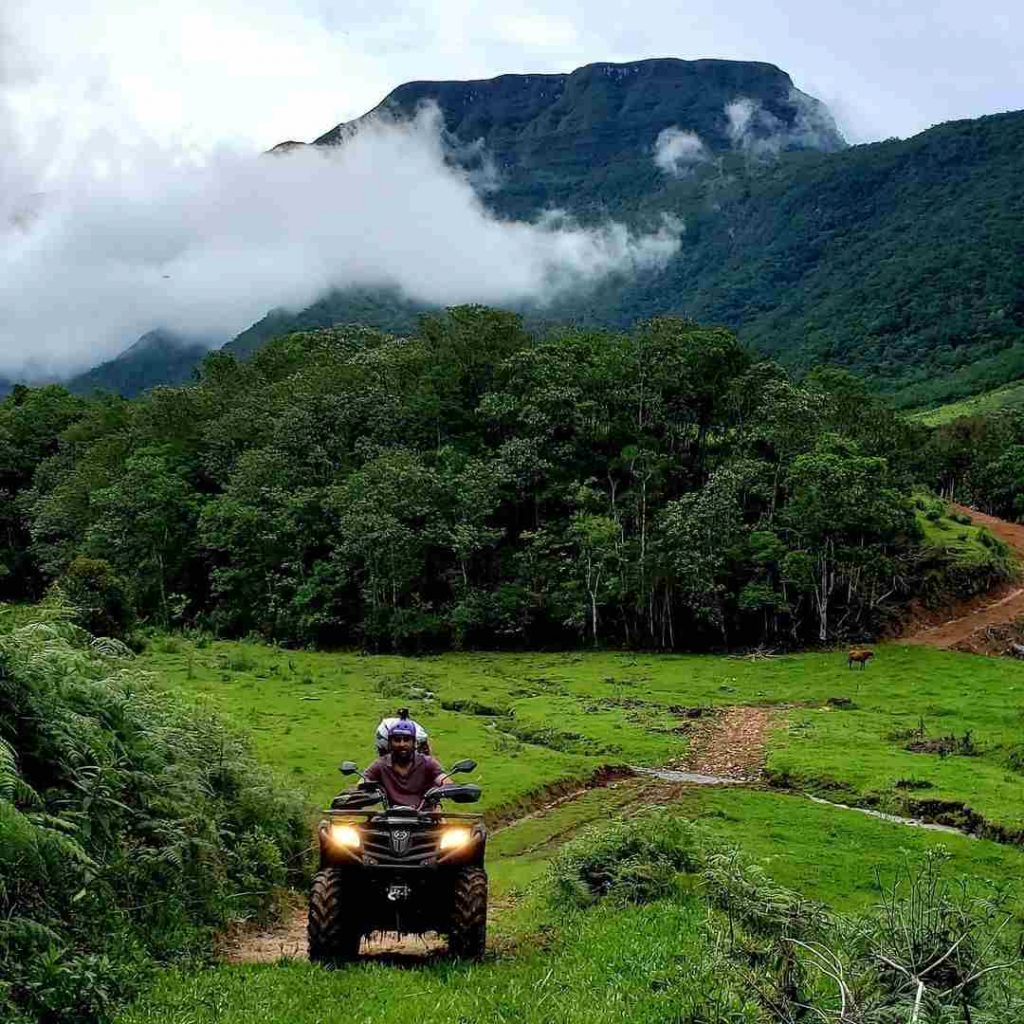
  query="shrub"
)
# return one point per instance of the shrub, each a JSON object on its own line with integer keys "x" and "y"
{"x": 98, "y": 595}
{"x": 631, "y": 861}
{"x": 132, "y": 825}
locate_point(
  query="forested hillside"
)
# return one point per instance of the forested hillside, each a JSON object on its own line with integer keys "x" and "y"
{"x": 897, "y": 260}
{"x": 473, "y": 484}
{"x": 157, "y": 358}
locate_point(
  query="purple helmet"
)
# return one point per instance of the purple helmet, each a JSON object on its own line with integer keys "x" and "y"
{"x": 403, "y": 727}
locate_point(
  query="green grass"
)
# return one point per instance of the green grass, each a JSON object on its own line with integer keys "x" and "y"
{"x": 565, "y": 714}
{"x": 638, "y": 963}
{"x": 836, "y": 856}
{"x": 966, "y": 546}
{"x": 644, "y": 963}
{"x": 554, "y": 717}
{"x": 1006, "y": 397}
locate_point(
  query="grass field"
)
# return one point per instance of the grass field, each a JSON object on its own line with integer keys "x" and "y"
{"x": 532, "y": 720}
{"x": 651, "y": 963}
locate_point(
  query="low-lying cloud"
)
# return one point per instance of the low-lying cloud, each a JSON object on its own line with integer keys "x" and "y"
{"x": 757, "y": 131}
{"x": 137, "y": 237}
{"x": 677, "y": 151}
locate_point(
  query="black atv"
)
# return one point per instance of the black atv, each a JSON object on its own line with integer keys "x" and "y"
{"x": 399, "y": 869}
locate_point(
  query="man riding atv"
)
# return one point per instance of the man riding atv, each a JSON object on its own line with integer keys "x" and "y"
{"x": 405, "y": 774}
{"x": 392, "y": 860}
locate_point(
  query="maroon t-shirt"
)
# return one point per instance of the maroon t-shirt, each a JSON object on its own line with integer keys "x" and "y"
{"x": 406, "y": 790}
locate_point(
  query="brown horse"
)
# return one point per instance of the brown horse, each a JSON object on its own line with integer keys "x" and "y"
{"x": 859, "y": 655}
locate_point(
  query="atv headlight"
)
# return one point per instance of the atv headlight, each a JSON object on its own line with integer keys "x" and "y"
{"x": 455, "y": 838}
{"x": 346, "y": 835}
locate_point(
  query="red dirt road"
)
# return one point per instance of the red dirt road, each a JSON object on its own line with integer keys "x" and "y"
{"x": 1000, "y": 607}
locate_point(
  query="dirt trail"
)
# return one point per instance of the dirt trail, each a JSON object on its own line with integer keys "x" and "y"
{"x": 999, "y": 607}
{"x": 288, "y": 939}
{"x": 730, "y": 746}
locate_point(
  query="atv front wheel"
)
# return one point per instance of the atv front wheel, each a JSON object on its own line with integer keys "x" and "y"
{"x": 467, "y": 935}
{"x": 333, "y": 928}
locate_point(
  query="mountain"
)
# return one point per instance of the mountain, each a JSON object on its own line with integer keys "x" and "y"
{"x": 384, "y": 308}
{"x": 157, "y": 358}
{"x": 572, "y": 140}
{"x": 899, "y": 260}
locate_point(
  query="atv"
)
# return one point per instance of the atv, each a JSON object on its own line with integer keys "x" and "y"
{"x": 399, "y": 869}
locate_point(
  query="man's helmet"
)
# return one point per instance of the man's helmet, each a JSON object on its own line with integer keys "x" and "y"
{"x": 384, "y": 730}
{"x": 403, "y": 727}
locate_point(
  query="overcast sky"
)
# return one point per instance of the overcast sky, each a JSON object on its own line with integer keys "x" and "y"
{"x": 135, "y": 124}
{"x": 259, "y": 71}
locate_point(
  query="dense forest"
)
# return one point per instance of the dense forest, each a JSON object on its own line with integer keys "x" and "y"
{"x": 475, "y": 485}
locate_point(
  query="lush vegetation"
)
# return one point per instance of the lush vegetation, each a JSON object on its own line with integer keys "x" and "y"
{"x": 896, "y": 260}
{"x": 133, "y": 824}
{"x": 475, "y": 485}
{"x": 979, "y": 460}
{"x": 1009, "y": 396}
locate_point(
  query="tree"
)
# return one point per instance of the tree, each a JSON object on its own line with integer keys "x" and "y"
{"x": 145, "y": 526}
{"x": 842, "y": 518}
{"x": 595, "y": 540}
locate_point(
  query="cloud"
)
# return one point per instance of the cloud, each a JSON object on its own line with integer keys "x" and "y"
{"x": 753, "y": 129}
{"x": 136, "y": 236}
{"x": 677, "y": 151}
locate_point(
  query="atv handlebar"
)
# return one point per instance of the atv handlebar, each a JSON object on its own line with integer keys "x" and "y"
{"x": 457, "y": 794}
{"x": 367, "y": 793}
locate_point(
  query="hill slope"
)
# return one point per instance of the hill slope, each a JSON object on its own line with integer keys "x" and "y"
{"x": 157, "y": 358}
{"x": 898, "y": 260}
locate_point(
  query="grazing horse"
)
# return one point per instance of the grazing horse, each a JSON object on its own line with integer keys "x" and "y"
{"x": 860, "y": 656}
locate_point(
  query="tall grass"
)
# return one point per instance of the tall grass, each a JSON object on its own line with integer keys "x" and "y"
{"x": 132, "y": 825}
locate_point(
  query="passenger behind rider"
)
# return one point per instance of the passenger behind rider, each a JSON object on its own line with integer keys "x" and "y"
{"x": 404, "y": 773}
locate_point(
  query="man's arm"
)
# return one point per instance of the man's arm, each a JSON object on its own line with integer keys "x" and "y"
{"x": 436, "y": 773}
{"x": 374, "y": 773}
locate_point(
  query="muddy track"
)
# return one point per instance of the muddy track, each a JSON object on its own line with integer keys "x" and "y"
{"x": 730, "y": 746}
{"x": 1000, "y": 607}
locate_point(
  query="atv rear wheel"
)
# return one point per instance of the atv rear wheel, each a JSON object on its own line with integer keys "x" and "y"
{"x": 467, "y": 935}
{"x": 333, "y": 928}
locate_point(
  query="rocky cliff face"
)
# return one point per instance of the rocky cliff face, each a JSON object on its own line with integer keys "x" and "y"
{"x": 606, "y": 129}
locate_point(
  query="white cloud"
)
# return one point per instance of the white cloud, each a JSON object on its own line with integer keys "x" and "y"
{"x": 677, "y": 151}
{"x": 140, "y": 237}
{"x": 754, "y": 130}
